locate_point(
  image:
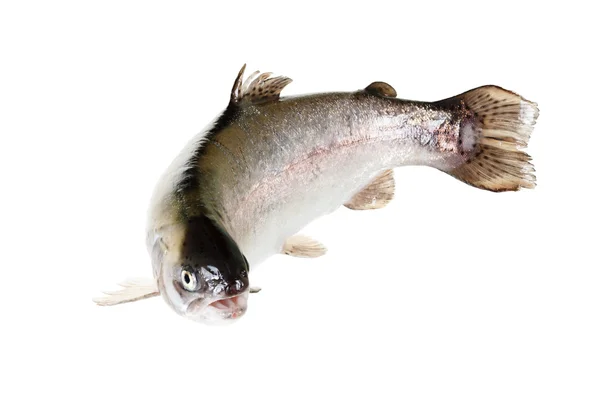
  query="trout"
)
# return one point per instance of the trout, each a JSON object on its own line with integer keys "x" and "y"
{"x": 242, "y": 189}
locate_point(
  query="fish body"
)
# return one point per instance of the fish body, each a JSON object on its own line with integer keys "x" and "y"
{"x": 282, "y": 164}
{"x": 268, "y": 166}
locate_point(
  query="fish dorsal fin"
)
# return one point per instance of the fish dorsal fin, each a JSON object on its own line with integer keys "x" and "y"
{"x": 236, "y": 91}
{"x": 258, "y": 88}
{"x": 381, "y": 89}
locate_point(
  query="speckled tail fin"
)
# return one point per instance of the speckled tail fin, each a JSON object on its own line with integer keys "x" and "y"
{"x": 376, "y": 195}
{"x": 496, "y": 128}
{"x": 131, "y": 290}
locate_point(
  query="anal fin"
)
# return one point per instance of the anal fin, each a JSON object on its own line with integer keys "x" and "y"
{"x": 376, "y": 195}
{"x": 303, "y": 246}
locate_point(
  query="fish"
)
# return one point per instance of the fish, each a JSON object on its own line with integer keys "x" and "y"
{"x": 241, "y": 190}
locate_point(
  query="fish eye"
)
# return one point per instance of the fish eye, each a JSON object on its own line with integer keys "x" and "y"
{"x": 188, "y": 280}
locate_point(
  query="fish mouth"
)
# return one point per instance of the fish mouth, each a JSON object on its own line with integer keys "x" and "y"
{"x": 226, "y": 309}
{"x": 230, "y": 307}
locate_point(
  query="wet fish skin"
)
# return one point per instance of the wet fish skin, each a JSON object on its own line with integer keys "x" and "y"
{"x": 267, "y": 166}
{"x": 281, "y": 160}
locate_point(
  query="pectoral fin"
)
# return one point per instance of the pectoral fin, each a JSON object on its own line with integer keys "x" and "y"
{"x": 131, "y": 290}
{"x": 303, "y": 246}
{"x": 376, "y": 195}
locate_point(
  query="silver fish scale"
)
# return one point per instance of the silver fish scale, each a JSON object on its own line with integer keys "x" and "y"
{"x": 303, "y": 157}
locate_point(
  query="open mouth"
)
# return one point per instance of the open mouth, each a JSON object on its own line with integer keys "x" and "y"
{"x": 218, "y": 311}
{"x": 232, "y": 307}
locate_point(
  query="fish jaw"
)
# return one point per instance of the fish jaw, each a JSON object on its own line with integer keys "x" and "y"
{"x": 218, "y": 311}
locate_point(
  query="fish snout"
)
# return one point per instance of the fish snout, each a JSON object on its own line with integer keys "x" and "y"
{"x": 237, "y": 287}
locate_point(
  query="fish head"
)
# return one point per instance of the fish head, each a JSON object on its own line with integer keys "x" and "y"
{"x": 202, "y": 274}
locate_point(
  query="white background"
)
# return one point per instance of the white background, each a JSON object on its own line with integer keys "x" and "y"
{"x": 449, "y": 292}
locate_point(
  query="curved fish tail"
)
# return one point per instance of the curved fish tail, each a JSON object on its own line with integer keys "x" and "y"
{"x": 495, "y": 130}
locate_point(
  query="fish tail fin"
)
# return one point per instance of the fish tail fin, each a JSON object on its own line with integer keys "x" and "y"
{"x": 496, "y": 127}
{"x": 131, "y": 290}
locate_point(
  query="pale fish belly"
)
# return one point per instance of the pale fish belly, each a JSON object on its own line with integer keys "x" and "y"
{"x": 320, "y": 179}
